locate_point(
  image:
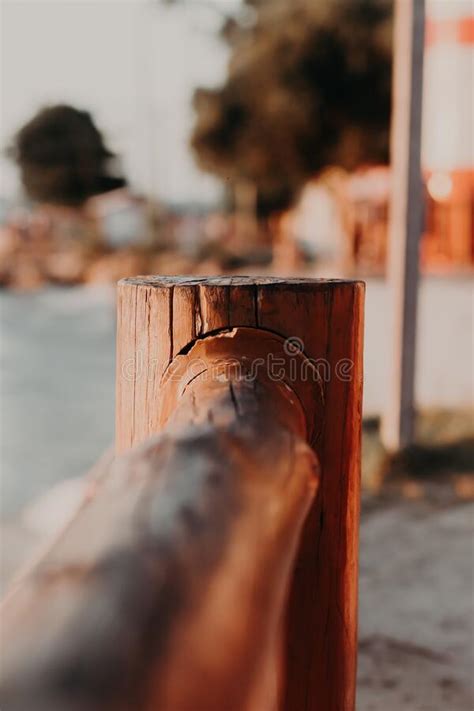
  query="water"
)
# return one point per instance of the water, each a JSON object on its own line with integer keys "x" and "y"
{"x": 57, "y": 360}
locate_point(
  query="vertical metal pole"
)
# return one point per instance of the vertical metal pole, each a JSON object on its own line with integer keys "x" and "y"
{"x": 406, "y": 218}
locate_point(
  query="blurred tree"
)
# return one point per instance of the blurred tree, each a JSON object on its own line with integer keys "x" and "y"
{"x": 309, "y": 86}
{"x": 62, "y": 157}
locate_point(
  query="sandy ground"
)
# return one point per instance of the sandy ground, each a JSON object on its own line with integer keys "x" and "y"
{"x": 416, "y": 608}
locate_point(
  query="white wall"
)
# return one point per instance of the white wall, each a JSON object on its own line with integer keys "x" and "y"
{"x": 448, "y": 100}
{"x": 445, "y": 345}
{"x": 448, "y": 115}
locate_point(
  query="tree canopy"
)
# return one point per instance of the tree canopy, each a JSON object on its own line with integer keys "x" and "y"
{"x": 62, "y": 157}
{"x": 308, "y": 86}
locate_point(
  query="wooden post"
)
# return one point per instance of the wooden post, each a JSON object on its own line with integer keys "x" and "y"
{"x": 166, "y": 590}
{"x": 158, "y": 318}
{"x": 406, "y": 216}
{"x": 201, "y": 572}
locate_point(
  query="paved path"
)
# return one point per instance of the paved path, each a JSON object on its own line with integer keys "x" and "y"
{"x": 416, "y": 609}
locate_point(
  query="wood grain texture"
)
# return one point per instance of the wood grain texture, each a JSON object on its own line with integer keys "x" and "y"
{"x": 327, "y": 317}
{"x": 166, "y": 591}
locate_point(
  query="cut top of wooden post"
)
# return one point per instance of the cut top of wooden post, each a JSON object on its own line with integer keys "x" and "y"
{"x": 161, "y": 317}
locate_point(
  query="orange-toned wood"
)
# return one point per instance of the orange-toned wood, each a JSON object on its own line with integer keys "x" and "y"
{"x": 165, "y": 591}
{"x": 448, "y": 241}
{"x": 174, "y": 587}
{"x": 160, "y": 317}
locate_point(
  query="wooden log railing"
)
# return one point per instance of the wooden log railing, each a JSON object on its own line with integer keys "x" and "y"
{"x": 203, "y": 573}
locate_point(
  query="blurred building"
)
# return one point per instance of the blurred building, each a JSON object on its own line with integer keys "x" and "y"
{"x": 448, "y": 147}
{"x": 358, "y": 204}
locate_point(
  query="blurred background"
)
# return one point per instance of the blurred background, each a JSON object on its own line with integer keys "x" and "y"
{"x": 244, "y": 137}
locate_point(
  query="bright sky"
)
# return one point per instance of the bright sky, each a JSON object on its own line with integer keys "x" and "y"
{"x": 132, "y": 63}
